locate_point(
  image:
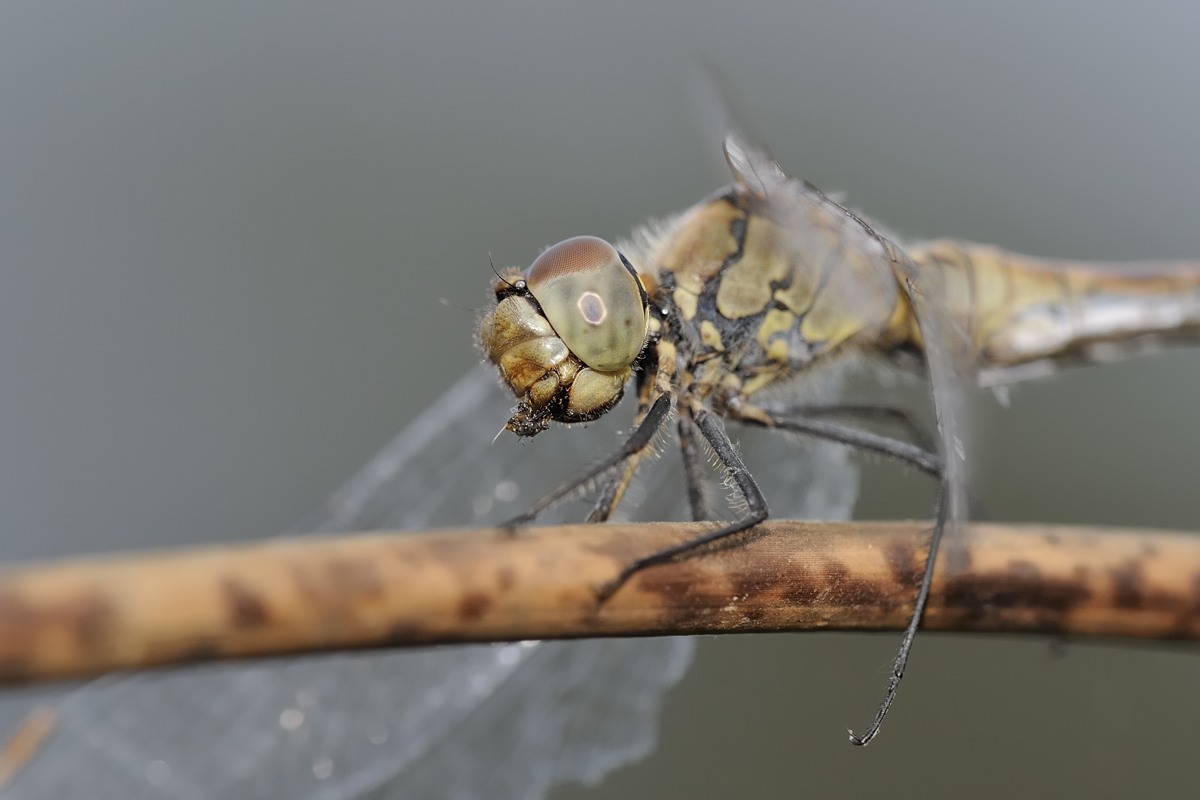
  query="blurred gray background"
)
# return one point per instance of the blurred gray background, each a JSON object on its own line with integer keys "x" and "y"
{"x": 225, "y": 233}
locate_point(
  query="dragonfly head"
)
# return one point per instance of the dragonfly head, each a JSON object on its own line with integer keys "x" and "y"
{"x": 565, "y": 332}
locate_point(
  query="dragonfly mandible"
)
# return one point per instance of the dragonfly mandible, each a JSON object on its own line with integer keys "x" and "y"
{"x": 447, "y": 721}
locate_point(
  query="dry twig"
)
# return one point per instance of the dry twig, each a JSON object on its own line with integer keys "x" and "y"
{"x": 89, "y": 616}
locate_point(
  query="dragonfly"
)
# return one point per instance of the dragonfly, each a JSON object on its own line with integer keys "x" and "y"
{"x": 515, "y": 720}
{"x": 752, "y": 291}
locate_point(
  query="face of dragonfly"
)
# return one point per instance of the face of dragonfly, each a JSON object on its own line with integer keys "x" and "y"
{"x": 565, "y": 333}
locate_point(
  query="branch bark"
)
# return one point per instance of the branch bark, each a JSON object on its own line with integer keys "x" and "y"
{"x": 95, "y": 615}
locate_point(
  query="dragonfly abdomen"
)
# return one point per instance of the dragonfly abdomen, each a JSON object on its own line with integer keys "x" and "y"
{"x": 1018, "y": 310}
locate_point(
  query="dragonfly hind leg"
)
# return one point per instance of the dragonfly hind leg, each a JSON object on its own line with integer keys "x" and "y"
{"x": 918, "y": 457}
{"x": 886, "y": 414}
{"x": 911, "y": 430}
{"x": 914, "y": 455}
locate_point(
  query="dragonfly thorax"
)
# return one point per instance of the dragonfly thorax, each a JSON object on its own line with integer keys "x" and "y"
{"x": 566, "y": 332}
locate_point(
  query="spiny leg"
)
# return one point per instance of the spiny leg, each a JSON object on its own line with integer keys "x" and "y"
{"x": 910, "y": 454}
{"x": 653, "y": 386}
{"x": 893, "y": 415}
{"x": 693, "y": 468}
{"x": 910, "y": 633}
{"x": 924, "y": 460}
{"x": 614, "y": 488}
{"x": 712, "y": 429}
{"x": 637, "y": 442}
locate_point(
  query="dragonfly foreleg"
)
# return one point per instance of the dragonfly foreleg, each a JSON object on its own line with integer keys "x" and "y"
{"x": 614, "y": 488}
{"x": 713, "y": 431}
{"x": 637, "y": 442}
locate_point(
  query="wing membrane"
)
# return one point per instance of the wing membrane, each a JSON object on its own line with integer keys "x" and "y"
{"x": 504, "y": 721}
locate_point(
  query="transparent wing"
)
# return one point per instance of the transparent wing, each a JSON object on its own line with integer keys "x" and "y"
{"x": 948, "y": 359}
{"x": 497, "y": 722}
{"x": 862, "y": 274}
{"x": 485, "y": 721}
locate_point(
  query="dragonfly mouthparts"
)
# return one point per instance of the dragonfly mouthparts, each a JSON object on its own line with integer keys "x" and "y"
{"x": 525, "y": 421}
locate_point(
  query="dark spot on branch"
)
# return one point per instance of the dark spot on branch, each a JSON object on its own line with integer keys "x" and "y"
{"x": 905, "y": 563}
{"x": 854, "y": 591}
{"x": 87, "y": 618}
{"x": 473, "y": 606}
{"x": 246, "y": 608}
{"x": 683, "y": 609}
{"x": 982, "y": 597}
{"x": 753, "y": 596}
{"x": 1127, "y": 586}
{"x": 805, "y": 589}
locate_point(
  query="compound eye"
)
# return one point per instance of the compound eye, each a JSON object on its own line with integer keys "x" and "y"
{"x": 594, "y": 301}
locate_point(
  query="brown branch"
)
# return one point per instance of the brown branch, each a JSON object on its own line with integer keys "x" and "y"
{"x": 89, "y": 616}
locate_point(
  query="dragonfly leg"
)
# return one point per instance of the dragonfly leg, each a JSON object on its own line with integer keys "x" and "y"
{"x": 914, "y": 432}
{"x": 713, "y": 431}
{"x": 693, "y": 468}
{"x": 922, "y": 459}
{"x": 911, "y": 430}
{"x": 925, "y": 460}
{"x": 614, "y": 488}
{"x": 900, "y": 662}
{"x": 654, "y": 383}
{"x": 638, "y": 441}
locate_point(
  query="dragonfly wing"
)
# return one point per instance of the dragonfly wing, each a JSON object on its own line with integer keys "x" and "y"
{"x": 752, "y": 167}
{"x": 497, "y": 722}
{"x": 834, "y": 253}
{"x": 504, "y": 721}
{"x": 948, "y": 359}
{"x": 861, "y": 272}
